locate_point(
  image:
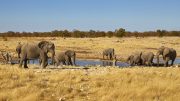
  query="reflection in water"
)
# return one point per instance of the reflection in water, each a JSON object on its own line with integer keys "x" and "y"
{"x": 101, "y": 63}
{"x": 98, "y": 62}
{"x": 177, "y": 61}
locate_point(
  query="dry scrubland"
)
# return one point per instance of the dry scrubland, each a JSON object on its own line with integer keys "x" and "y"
{"x": 95, "y": 84}
{"x": 93, "y": 47}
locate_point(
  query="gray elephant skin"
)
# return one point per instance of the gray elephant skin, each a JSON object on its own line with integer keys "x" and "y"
{"x": 109, "y": 53}
{"x": 35, "y": 51}
{"x": 147, "y": 58}
{"x": 18, "y": 49}
{"x": 66, "y": 58}
{"x": 135, "y": 59}
{"x": 167, "y": 53}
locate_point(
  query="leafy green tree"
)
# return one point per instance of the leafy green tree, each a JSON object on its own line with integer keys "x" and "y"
{"x": 120, "y": 32}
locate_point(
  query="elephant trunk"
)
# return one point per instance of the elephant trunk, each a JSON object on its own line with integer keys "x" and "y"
{"x": 52, "y": 57}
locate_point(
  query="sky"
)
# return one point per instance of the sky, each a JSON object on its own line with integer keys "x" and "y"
{"x": 103, "y": 15}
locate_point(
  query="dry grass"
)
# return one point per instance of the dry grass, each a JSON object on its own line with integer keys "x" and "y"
{"x": 95, "y": 84}
{"x": 93, "y": 47}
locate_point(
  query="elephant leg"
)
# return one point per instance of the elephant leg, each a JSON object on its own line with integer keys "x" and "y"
{"x": 21, "y": 63}
{"x": 25, "y": 63}
{"x": 131, "y": 63}
{"x": 70, "y": 61}
{"x": 65, "y": 63}
{"x": 143, "y": 62}
{"x": 172, "y": 62}
{"x": 166, "y": 63}
{"x": 110, "y": 56}
{"x": 43, "y": 65}
{"x": 57, "y": 63}
{"x": 40, "y": 61}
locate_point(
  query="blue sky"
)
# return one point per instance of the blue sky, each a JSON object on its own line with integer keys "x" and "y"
{"x": 48, "y": 15}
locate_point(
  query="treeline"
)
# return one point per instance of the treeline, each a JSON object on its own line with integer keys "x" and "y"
{"x": 92, "y": 34}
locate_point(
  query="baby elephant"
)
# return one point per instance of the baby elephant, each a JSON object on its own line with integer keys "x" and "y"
{"x": 135, "y": 59}
{"x": 109, "y": 53}
{"x": 66, "y": 58}
{"x": 147, "y": 58}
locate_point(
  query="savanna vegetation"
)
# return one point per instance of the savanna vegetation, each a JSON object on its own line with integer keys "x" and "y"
{"x": 95, "y": 84}
{"x": 91, "y": 33}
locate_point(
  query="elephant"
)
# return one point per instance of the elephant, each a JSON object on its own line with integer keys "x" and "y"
{"x": 71, "y": 57}
{"x": 66, "y": 58}
{"x": 34, "y": 51}
{"x": 135, "y": 59}
{"x": 109, "y": 53}
{"x": 147, "y": 58}
{"x": 168, "y": 54}
{"x": 61, "y": 58}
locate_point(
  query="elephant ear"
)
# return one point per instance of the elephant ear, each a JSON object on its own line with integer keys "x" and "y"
{"x": 42, "y": 44}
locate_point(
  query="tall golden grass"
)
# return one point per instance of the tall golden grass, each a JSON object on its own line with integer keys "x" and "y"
{"x": 94, "y": 84}
{"x": 97, "y": 83}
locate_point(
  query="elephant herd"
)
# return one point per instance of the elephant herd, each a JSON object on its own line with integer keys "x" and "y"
{"x": 146, "y": 58}
{"x": 30, "y": 51}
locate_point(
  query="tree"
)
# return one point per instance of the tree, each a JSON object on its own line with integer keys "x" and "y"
{"x": 161, "y": 32}
{"x": 120, "y": 32}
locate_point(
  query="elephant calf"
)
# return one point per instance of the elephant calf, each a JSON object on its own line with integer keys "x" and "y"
{"x": 109, "y": 53}
{"x": 135, "y": 59}
{"x": 147, "y": 58}
{"x": 66, "y": 58}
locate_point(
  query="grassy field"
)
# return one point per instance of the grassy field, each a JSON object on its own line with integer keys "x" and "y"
{"x": 91, "y": 48}
{"x": 95, "y": 84}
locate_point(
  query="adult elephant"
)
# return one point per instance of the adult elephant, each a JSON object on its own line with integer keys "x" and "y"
{"x": 135, "y": 59}
{"x": 109, "y": 53}
{"x": 167, "y": 53}
{"x": 147, "y": 58}
{"x": 34, "y": 51}
{"x": 66, "y": 58}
